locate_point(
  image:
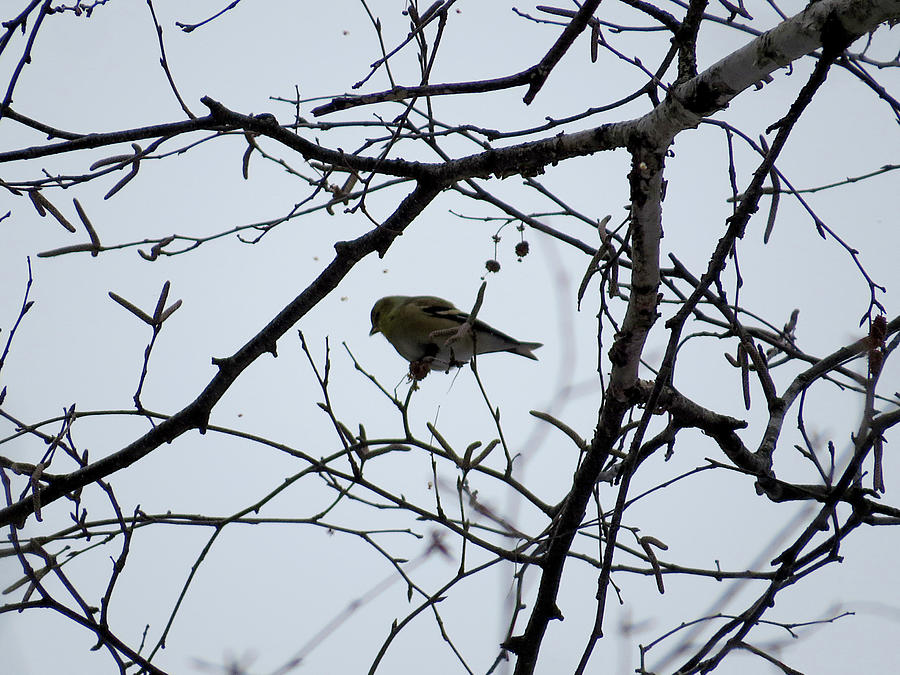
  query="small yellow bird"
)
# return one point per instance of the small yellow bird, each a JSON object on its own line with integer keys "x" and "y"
{"x": 432, "y": 332}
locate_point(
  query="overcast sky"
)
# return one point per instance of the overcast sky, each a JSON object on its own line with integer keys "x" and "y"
{"x": 264, "y": 591}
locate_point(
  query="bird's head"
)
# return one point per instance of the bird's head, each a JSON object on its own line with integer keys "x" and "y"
{"x": 379, "y": 309}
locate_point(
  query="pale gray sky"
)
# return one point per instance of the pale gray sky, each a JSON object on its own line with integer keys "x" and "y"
{"x": 263, "y": 591}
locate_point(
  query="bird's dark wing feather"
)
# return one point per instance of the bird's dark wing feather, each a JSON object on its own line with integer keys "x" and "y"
{"x": 445, "y": 311}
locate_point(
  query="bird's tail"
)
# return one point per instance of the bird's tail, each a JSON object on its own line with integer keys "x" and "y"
{"x": 524, "y": 349}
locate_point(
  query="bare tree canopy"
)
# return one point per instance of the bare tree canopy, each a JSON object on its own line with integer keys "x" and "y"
{"x": 212, "y": 461}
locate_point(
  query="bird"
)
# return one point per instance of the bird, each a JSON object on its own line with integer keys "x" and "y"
{"x": 432, "y": 334}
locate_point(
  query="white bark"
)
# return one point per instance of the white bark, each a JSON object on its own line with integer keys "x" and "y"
{"x": 790, "y": 40}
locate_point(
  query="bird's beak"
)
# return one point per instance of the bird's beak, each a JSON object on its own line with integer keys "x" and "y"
{"x": 374, "y": 330}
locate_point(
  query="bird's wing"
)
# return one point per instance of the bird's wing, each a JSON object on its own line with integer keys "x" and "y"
{"x": 487, "y": 338}
{"x": 441, "y": 309}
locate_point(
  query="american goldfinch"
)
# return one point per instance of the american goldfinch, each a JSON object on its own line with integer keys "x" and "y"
{"x": 432, "y": 332}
